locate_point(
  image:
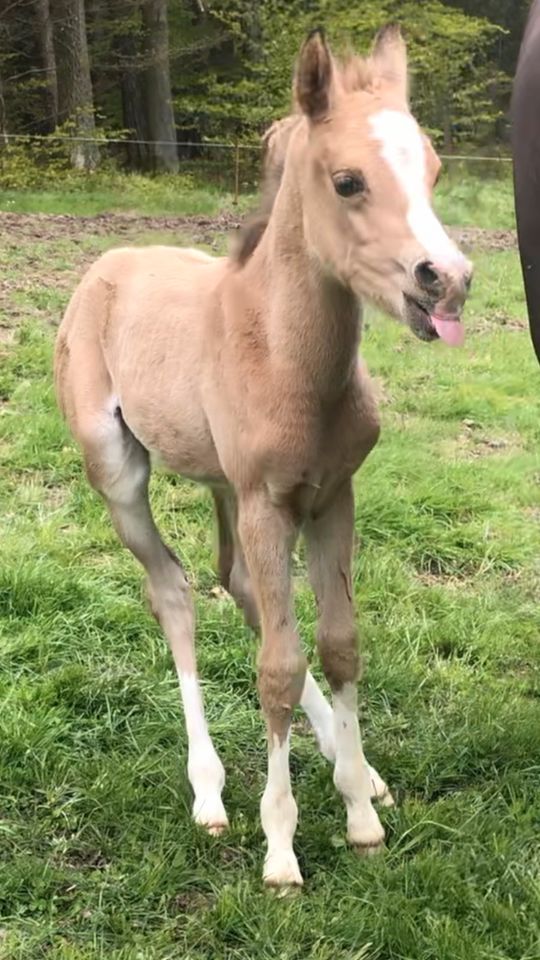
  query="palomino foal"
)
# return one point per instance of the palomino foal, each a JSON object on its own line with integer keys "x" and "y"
{"x": 243, "y": 373}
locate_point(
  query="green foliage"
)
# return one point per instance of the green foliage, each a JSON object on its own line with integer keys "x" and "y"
{"x": 231, "y": 64}
{"x": 35, "y": 161}
{"x": 465, "y": 197}
{"x": 450, "y": 58}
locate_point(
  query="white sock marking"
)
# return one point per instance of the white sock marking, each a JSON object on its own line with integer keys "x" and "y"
{"x": 351, "y": 774}
{"x": 205, "y": 769}
{"x": 320, "y": 716}
{"x": 279, "y": 815}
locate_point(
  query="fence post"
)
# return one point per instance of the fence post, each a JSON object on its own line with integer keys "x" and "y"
{"x": 236, "y": 171}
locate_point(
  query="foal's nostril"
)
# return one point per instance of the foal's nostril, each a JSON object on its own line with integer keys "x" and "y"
{"x": 426, "y": 276}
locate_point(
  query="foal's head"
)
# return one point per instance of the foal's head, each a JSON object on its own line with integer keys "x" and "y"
{"x": 366, "y": 172}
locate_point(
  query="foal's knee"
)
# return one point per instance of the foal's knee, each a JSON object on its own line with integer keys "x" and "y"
{"x": 281, "y": 682}
{"x": 340, "y": 657}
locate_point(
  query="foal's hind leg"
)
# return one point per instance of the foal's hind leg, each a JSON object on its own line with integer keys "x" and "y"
{"x": 118, "y": 467}
{"x": 321, "y": 717}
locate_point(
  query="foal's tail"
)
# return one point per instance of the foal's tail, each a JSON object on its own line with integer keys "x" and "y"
{"x": 61, "y": 351}
{"x": 80, "y": 371}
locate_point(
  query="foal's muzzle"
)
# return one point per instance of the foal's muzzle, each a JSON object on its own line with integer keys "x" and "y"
{"x": 448, "y": 285}
{"x": 434, "y": 309}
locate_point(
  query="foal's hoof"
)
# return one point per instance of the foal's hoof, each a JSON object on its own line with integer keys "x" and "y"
{"x": 211, "y": 816}
{"x": 368, "y": 850}
{"x": 281, "y": 870}
{"x": 365, "y": 831}
{"x": 215, "y": 829}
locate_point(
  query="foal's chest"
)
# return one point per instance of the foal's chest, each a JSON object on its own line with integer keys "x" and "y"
{"x": 304, "y": 466}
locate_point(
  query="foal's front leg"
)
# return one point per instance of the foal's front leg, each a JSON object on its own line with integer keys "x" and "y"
{"x": 268, "y": 532}
{"x": 329, "y": 540}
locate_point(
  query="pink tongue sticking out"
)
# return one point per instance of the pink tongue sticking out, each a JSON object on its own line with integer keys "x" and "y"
{"x": 450, "y": 329}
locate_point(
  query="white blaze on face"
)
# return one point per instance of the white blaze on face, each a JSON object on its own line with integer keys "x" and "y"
{"x": 402, "y": 148}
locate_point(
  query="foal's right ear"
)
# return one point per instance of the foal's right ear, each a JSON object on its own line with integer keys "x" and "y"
{"x": 389, "y": 57}
{"x": 313, "y": 79}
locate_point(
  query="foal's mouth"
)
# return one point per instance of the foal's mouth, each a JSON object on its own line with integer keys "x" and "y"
{"x": 428, "y": 325}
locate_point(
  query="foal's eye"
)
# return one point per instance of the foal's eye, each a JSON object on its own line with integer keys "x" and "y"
{"x": 349, "y": 184}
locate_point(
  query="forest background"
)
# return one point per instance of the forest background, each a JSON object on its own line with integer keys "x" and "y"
{"x": 147, "y": 85}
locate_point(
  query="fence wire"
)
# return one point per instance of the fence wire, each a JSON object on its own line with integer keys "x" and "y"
{"x": 234, "y": 166}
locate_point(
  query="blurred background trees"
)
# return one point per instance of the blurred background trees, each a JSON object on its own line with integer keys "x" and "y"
{"x": 163, "y": 72}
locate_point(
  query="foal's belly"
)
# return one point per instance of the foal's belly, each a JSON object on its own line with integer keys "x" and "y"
{"x": 201, "y": 464}
{"x": 180, "y": 439}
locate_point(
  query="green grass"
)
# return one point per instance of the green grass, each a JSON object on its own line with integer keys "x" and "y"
{"x": 122, "y": 193}
{"x": 461, "y": 199}
{"x": 99, "y": 856}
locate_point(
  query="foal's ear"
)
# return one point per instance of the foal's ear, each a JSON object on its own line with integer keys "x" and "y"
{"x": 389, "y": 57}
{"x": 313, "y": 78}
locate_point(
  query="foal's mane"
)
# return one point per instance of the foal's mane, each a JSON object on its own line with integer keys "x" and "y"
{"x": 353, "y": 73}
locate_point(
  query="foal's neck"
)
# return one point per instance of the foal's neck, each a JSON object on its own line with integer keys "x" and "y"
{"x": 312, "y": 321}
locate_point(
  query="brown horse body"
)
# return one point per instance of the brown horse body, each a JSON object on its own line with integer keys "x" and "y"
{"x": 243, "y": 373}
{"x": 526, "y": 156}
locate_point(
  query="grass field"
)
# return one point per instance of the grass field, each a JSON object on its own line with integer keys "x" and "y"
{"x": 464, "y": 196}
{"x": 99, "y": 856}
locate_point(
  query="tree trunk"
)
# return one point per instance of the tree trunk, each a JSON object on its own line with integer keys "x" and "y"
{"x": 98, "y": 14}
{"x": 448, "y": 142}
{"x": 157, "y": 87}
{"x": 134, "y": 118}
{"x": 44, "y": 29}
{"x": 130, "y": 68}
{"x": 3, "y": 131}
{"x": 75, "y": 103}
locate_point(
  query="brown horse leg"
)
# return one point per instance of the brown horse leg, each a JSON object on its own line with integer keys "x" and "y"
{"x": 232, "y": 567}
{"x": 118, "y": 467}
{"x": 225, "y": 540}
{"x": 329, "y": 540}
{"x": 234, "y": 577}
{"x": 268, "y": 533}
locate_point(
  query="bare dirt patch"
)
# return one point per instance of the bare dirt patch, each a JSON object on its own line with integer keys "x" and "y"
{"x": 201, "y": 228}
{"x": 39, "y": 275}
{"x": 442, "y": 580}
{"x": 6, "y": 334}
{"x": 473, "y": 443}
{"x": 38, "y": 226}
{"x": 479, "y": 238}
{"x": 500, "y": 319}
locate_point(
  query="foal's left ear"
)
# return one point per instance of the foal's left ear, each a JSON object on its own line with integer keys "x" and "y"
{"x": 314, "y": 76}
{"x": 389, "y": 57}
